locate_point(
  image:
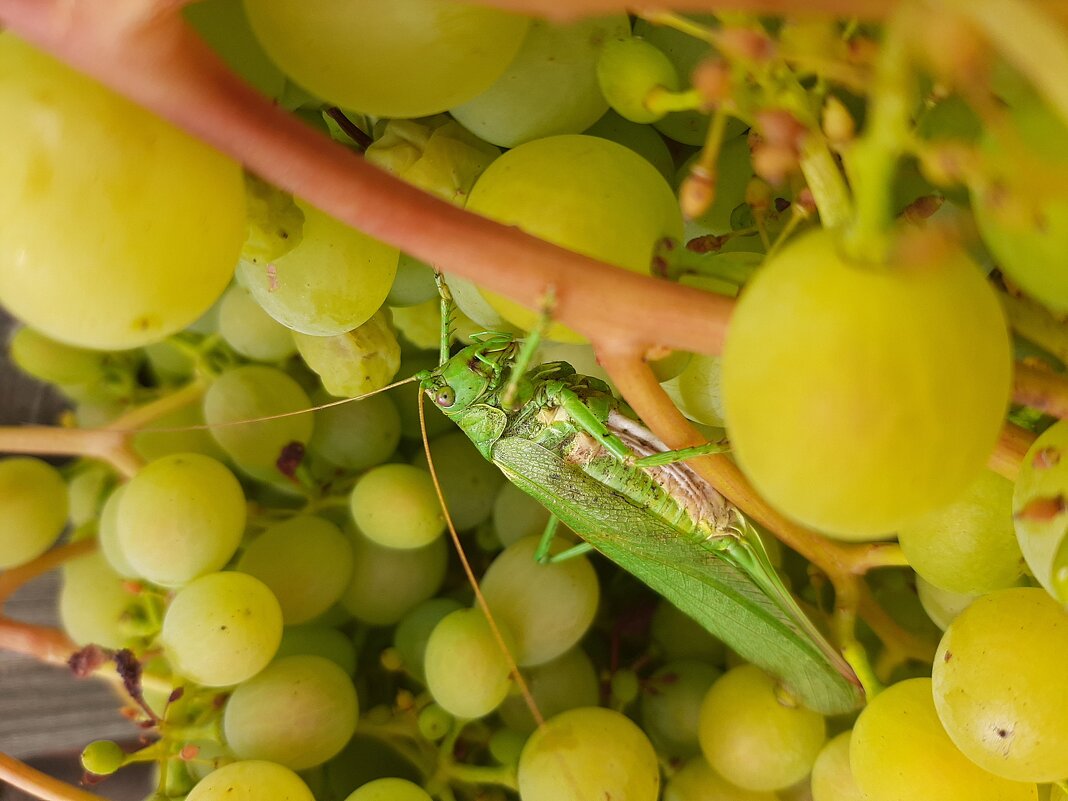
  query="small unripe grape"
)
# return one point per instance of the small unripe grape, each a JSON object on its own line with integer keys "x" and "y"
{"x": 103, "y": 757}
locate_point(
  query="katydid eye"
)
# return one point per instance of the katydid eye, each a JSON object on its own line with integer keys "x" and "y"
{"x": 446, "y": 397}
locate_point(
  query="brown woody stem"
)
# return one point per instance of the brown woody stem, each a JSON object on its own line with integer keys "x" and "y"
{"x": 108, "y": 446}
{"x": 11, "y": 580}
{"x": 40, "y": 785}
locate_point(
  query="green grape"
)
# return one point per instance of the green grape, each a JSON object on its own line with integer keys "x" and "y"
{"x": 697, "y": 781}
{"x": 87, "y": 490}
{"x": 466, "y": 671}
{"x": 305, "y": 561}
{"x": 753, "y": 736}
{"x": 222, "y": 629}
{"x": 547, "y": 608}
{"x": 942, "y": 606}
{"x": 419, "y": 325}
{"x": 55, "y": 362}
{"x": 468, "y": 481}
{"x": 396, "y": 506}
{"x": 319, "y": 640}
{"x": 188, "y": 436}
{"x": 388, "y": 582}
{"x": 1037, "y": 510}
{"x": 33, "y": 509}
{"x": 246, "y": 394}
{"x": 365, "y": 759}
{"x": 356, "y": 436}
{"x": 832, "y": 777}
{"x": 734, "y": 171}
{"x": 868, "y": 450}
{"x": 107, "y": 535}
{"x": 968, "y": 547}
{"x": 900, "y": 752}
{"x": 671, "y": 703}
{"x": 548, "y": 188}
{"x": 403, "y": 58}
{"x": 298, "y": 711}
{"x": 163, "y": 199}
{"x": 517, "y": 515}
{"x": 93, "y": 603}
{"x": 413, "y": 284}
{"x": 630, "y": 71}
{"x": 413, "y": 631}
{"x": 697, "y": 390}
{"x": 330, "y": 283}
{"x": 681, "y": 637}
{"x": 103, "y": 757}
{"x": 588, "y": 753}
{"x": 1058, "y": 794}
{"x": 251, "y": 780}
{"x": 355, "y": 362}
{"x": 506, "y": 746}
{"x": 642, "y": 139}
{"x": 567, "y": 682}
{"x": 549, "y": 88}
{"x": 224, "y": 26}
{"x": 248, "y": 329}
{"x": 434, "y": 722}
{"x": 999, "y": 684}
{"x": 389, "y": 789}
{"x": 180, "y": 517}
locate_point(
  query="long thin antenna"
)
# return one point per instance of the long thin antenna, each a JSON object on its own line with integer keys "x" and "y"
{"x": 480, "y": 599}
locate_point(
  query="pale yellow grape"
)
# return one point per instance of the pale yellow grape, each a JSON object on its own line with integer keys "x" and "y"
{"x": 466, "y": 670}
{"x": 249, "y": 330}
{"x": 396, "y": 506}
{"x": 829, "y": 374}
{"x": 517, "y": 515}
{"x": 548, "y": 608}
{"x": 251, "y": 780}
{"x": 567, "y": 682}
{"x": 679, "y": 636}
{"x": 671, "y": 705}
{"x": 356, "y": 362}
{"x": 330, "y": 283}
{"x": 629, "y": 72}
{"x": 319, "y": 640}
{"x": 389, "y": 789}
{"x": 468, "y": 481}
{"x": 585, "y": 194}
{"x": 107, "y": 535}
{"x": 183, "y": 432}
{"x": 222, "y": 629}
{"x": 299, "y": 711}
{"x": 900, "y": 752}
{"x": 305, "y": 561}
{"x": 942, "y": 606}
{"x": 87, "y": 490}
{"x": 970, "y": 545}
{"x": 389, "y": 58}
{"x": 1041, "y": 525}
{"x": 697, "y": 392}
{"x": 93, "y": 603}
{"x": 388, "y": 582}
{"x": 116, "y": 229}
{"x": 180, "y": 517}
{"x": 33, "y": 509}
{"x": 753, "y": 735}
{"x": 413, "y": 631}
{"x": 697, "y": 781}
{"x": 52, "y": 361}
{"x": 999, "y": 684}
{"x": 642, "y": 139}
{"x": 832, "y": 777}
{"x": 588, "y": 753}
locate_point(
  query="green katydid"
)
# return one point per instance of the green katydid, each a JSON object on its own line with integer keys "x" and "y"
{"x": 565, "y": 440}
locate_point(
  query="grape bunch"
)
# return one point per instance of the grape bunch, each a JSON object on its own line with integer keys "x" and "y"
{"x": 264, "y": 569}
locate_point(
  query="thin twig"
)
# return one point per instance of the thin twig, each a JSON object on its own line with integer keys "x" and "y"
{"x": 108, "y": 446}
{"x": 1012, "y": 446}
{"x": 1040, "y": 389}
{"x": 40, "y": 785}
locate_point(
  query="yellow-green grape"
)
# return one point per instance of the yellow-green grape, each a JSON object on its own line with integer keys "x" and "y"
{"x": 389, "y": 58}
{"x": 548, "y": 608}
{"x": 466, "y": 670}
{"x": 305, "y": 561}
{"x": 1038, "y": 509}
{"x": 396, "y": 506}
{"x": 183, "y": 432}
{"x": 1057, "y": 793}
{"x": 642, "y": 139}
{"x": 389, "y": 789}
{"x": 156, "y": 247}
{"x": 414, "y": 283}
{"x": 107, "y": 535}
{"x": 567, "y": 682}
{"x": 87, "y": 491}
{"x": 222, "y": 629}
{"x": 999, "y": 684}
{"x": 969, "y": 546}
{"x": 942, "y": 606}
{"x": 679, "y": 636}
{"x": 468, "y": 481}
{"x": 630, "y": 71}
{"x": 388, "y": 582}
{"x": 249, "y": 330}
{"x": 224, "y": 26}
{"x": 330, "y": 283}
{"x": 355, "y": 362}
{"x": 900, "y": 752}
{"x": 754, "y": 735}
{"x": 549, "y": 88}
{"x": 251, "y": 780}
{"x": 697, "y": 781}
{"x": 356, "y": 436}
{"x": 54, "y": 362}
{"x": 832, "y": 777}
{"x": 583, "y": 193}
{"x": 413, "y": 631}
{"x": 829, "y": 406}
{"x": 671, "y": 703}
{"x": 180, "y": 517}
{"x": 246, "y": 394}
{"x": 103, "y": 757}
{"x": 420, "y": 325}
{"x": 734, "y": 171}
{"x": 588, "y": 753}
{"x": 319, "y": 640}
{"x": 33, "y": 509}
{"x": 93, "y": 603}
{"x": 697, "y": 390}
{"x": 517, "y": 515}
{"x": 298, "y": 711}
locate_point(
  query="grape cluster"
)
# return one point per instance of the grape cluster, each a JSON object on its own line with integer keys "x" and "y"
{"x": 276, "y": 587}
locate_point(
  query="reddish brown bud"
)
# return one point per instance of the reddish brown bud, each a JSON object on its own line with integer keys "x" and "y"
{"x": 697, "y": 192}
{"x": 1041, "y": 510}
{"x": 775, "y": 163}
{"x": 712, "y": 80}
{"x": 1046, "y": 458}
{"x": 745, "y": 44}
{"x": 781, "y": 129}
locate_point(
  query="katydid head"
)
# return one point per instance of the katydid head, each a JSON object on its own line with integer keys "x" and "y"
{"x": 476, "y": 373}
